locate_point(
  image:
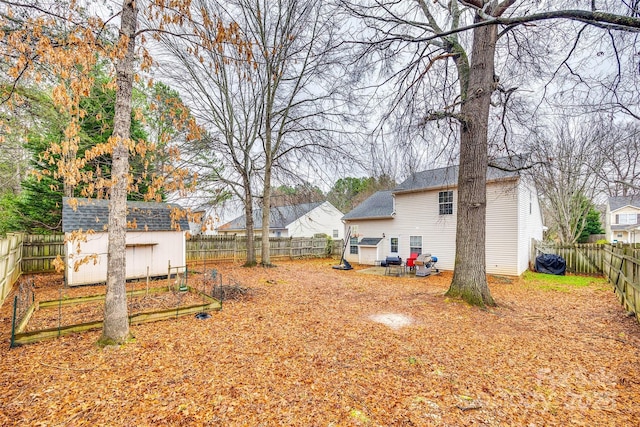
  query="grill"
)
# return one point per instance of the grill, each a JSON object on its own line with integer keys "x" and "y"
{"x": 425, "y": 264}
{"x": 391, "y": 260}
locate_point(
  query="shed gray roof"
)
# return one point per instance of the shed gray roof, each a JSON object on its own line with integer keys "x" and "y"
{"x": 622, "y": 201}
{"x": 370, "y": 241}
{"x": 378, "y": 205}
{"x": 280, "y": 217}
{"x": 93, "y": 214}
{"x": 448, "y": 176}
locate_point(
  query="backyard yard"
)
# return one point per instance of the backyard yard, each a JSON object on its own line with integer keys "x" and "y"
{"x": 314, "y": 346}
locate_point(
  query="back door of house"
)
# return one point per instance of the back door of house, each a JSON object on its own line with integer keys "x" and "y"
{"x": 393, "y": 246}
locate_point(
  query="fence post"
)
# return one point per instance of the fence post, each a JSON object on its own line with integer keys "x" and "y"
{"x": 4, "y": 259}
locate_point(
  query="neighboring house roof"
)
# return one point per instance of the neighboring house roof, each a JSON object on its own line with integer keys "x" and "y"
{"x": 619, "y": 202}
{"x": 93, "y": 214}
{"x": 624, "y": 227}
{"x": 448, "y": 176}
{"x": 378, "y": 205}
{"x": 370, "y": 241}
{"x": 280, "y": 217}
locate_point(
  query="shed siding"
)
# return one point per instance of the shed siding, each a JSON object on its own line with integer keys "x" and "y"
{"x": 167, "y": 247}
{"x": 369, "y": 255}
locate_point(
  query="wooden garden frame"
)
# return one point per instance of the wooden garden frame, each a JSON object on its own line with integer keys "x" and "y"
{"x": 18, "y": 337}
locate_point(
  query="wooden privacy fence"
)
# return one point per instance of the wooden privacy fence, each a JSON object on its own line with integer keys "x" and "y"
{"x": 585, "y": 258}
{"x": 10, "y": 263}
{"x": 234, "y": 248}
{"x": 39, "y": 252}
{"x": 620, "y": 263}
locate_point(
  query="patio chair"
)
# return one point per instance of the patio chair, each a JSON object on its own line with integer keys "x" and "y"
{"x": 411, "y": 261}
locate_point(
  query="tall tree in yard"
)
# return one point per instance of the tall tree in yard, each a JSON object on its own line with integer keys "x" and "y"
{"x": 116, "y": 321}
{"x": 273, "y": 107}
{"x": 39, "y": 52}
{"x": 432, "y": 35}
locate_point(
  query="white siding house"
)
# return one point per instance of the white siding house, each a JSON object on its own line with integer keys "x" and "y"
{"x": 303, "y": 220}
{"x": 419, "y": 216}
{"x": 622, "y": 220}
{"x": 155, "y": 239}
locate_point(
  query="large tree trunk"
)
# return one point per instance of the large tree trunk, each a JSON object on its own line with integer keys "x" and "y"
{"x": 469, "y": 278}
{"x": 265, "y": 259}
{"x": 248, "y": 214}
{"x": 116, "y": 321}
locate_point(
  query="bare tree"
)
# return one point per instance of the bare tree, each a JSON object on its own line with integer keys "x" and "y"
{"x": 460, "y": 39}
{"x": 567, "y": 160}
{"x": 31, "y": 46}
{"x": 621, "y": 150}
{"x": 273, "y": 109}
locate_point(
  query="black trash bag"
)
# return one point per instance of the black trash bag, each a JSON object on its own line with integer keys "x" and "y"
{"x": 551, "y": 264}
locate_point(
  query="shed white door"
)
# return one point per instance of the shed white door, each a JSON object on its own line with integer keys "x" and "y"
{"x": 368, "y": 255}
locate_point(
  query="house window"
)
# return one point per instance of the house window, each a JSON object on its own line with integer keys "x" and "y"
{"x": 335, "y": 234}
{"x": 353, "y": 245}
{"x": 415, "y": 244}
{"x": 394, "y": 245}
{"x": 628, "y": 218}
{"x": 278, "y": 234}
{"x": 445, "y": 200}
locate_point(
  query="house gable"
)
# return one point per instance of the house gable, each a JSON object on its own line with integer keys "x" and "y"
{"x": 295, "y": 220}
{"x": 623, "y": 219}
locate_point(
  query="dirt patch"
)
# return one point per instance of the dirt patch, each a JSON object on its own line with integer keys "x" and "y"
{"x": 392, "y": 320}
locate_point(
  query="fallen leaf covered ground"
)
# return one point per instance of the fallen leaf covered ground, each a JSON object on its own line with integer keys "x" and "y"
{"x": 309, "y": 347}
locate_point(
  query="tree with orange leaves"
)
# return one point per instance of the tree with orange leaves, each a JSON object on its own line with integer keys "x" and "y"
{"x": 62, "y": 42}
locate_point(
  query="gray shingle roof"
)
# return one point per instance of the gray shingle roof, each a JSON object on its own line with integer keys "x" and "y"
{"x": 618, "y": 227}
{"x": 448, "y": 176}
{"x": 622, "y": 201}
{"x": 280, "y": 217}
{"x": 93, "y": 214}
{"x": 378, "y": 205}
{"x": 369, "y": 241}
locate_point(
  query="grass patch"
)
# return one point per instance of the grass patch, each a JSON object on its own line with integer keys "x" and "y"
{"x": 550, "y": 282}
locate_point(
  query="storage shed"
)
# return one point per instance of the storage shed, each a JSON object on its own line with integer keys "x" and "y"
{"x": 155, "y": 239}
